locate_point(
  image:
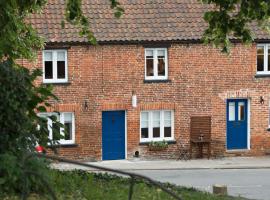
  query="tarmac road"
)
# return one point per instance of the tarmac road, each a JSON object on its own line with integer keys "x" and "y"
{"x": 249, "y": 183}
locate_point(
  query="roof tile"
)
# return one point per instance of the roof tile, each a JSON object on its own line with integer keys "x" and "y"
{"x": 143, "y": 20}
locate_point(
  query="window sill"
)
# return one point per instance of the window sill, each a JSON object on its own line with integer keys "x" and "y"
{"x": 262, "y": 76}
{"x": 168, "y": 141}
{"x": 65, "y": 145}
{"x": 157, "y": 81}
{"x": 56, "y": 83}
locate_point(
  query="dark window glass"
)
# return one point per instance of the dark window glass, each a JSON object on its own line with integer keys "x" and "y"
{"x": 149, "y": 66}
{"x": 149, "y": 62}
{"x": 161, "y": 66}
{"x": 260, "y": 59}
{"x": 55, "y": 132}
{"x": 68, "y": 131}
{"x": 241, "y": 110}
{"x": 156, "y": 132}
{"x": 144, "y": 132}
{"x": 268, "y": 60}
{"x": 48, "y": 70}
{"x": 167, "y": 131}
{"x": 60, "y": 69}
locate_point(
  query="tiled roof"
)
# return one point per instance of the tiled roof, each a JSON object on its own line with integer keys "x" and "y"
{"x": 143, "y": 20}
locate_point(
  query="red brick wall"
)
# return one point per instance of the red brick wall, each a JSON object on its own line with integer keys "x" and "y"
{"x": 201, "y": 78}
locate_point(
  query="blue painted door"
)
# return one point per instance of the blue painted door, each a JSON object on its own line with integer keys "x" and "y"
{"x": 237, "y": 120}
{"x": 113, "y": 135}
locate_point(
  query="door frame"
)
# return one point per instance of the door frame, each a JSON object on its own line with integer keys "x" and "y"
{"x": 125, "y": 131}
{"x": 248, "y": 123}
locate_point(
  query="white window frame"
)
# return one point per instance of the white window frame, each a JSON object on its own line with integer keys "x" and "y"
{"x": 150, "y": 126}
{"x": 54, "y": 66}
{"x": 61, "y": 120}
{"x": 156, "y": 76}
{"x": 265, "y": 58}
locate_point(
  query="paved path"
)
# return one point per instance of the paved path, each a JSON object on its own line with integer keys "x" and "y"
{"x": 224, "y": 163}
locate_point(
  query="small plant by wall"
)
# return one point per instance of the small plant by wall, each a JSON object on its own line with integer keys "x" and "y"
{"x": 158, "y": 145}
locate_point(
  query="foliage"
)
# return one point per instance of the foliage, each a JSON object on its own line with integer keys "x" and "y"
{"x": 231, "y": 18}
{"x": 22, "y": 176}
{"x": 17, "y": 38}
{"x": 20, "y": 98}
{"x": 158, "y": 145}
{"x": 82, "y": 185}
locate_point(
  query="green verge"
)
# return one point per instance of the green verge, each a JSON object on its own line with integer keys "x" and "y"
{"x": 81, "y": 185}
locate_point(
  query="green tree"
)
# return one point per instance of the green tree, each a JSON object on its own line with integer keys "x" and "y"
{"x": 231, "y": 18}
{"x": 21, "y": 129}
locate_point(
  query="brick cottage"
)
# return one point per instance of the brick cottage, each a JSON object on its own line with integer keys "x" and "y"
{"x": 149, "y": 74}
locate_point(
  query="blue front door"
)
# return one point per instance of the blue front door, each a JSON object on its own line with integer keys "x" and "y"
{"x": 113, "y": 135}
{"x": 237, "y": 118}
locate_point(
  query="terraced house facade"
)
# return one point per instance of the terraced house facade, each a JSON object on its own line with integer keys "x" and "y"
{"x": 149, "y": 74}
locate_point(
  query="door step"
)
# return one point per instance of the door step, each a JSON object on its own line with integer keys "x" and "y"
{"x": 238, "y": 152}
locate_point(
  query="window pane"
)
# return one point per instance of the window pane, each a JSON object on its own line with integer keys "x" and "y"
{"x": 161, "y": 66}
{"x": 144, "y": 124}
{"x": 144, "y": 132}
{"x": 68, "y": 126}
{"x": 68, "y": 117}
{"x": 149, "y": 62}
{"x": 156, "y": 124}
{"x": 167, "y": 124}
{"x": 48, "y": 69}
{"x": 156, "y": 119}
{"x": 149, "y": 53}
{"x": 241, "y": 111}
{"x": 61, "y": 56}
{"x": 161, "y": 53}
{"x": 55, "y": 129}
{"x": 48, "y": 56}
{"x": 260, "y": 58}
{"x": 68, "y": 131}
{"x": 144, "y": 116}
{"x": 268, "y": 60}
{"x": 231, "y": 111}
{"x": 156, "y": 115}
{"x": 149, "y": 66}
{"x": 167, "y": 131}
{"x": 167, "y": 115}
{"x": 60, "y": 69}
{"x": 55, "y": 132}
{"x": 156, "y": 132}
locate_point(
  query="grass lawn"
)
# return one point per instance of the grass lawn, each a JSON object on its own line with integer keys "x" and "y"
{"x": 80, "y": 185}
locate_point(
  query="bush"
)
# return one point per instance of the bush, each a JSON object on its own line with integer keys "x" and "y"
{"x": 19, "y": 101}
